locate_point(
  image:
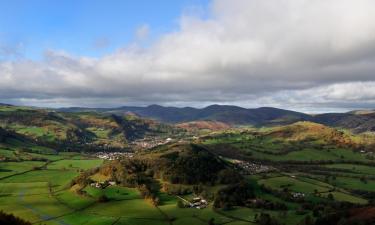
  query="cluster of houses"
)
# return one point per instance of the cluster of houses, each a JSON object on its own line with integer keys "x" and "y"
{"x": 151, "y": 142}
{"x": 114, "y": 155}
{"x": 252, "y": 168}
{"x": 103, "y": 185}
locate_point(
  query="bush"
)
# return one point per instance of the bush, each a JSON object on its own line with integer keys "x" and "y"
{"x": 234, "y": 195}
{"x": 9, "y": 219}
{"x": 103, "y": 198}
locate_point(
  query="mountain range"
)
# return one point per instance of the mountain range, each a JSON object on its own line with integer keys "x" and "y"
{"x": 358, "y": 121}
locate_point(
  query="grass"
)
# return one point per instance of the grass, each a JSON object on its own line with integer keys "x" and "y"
{"x": 136, "y": 208}
{"x": 354, "y": 183}
{"x": 344, "y": 197}
{"x": 308, "y": 186}
{"x": 122, "y": 193}
{"x": 75, "y": 164}
{"x": 10, "y": 168}
{"x": 292, "y": 184}
{"x": 248, "y": 214}
{"x": 369, "y": 170}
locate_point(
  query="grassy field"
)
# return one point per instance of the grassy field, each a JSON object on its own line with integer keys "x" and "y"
{"x": 293, "y": 184}
{"x": 10, "y": 168}
{"x": 366, "y": 170}
{"x": 310, "y": 187}
{"x": 274, "y": 151}
{"x": 354, "y": 183}
{"x": 45, "y": 197}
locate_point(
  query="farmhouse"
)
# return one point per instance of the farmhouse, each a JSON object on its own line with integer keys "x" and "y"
{"x": 103, "y": 185}
{"x": 298, "y": 195}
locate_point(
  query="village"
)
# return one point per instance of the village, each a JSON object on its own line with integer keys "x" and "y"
{"x": 113, "y": 155}
{"x": 149, "y": 142}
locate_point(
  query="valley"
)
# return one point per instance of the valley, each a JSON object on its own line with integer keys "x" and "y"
{"x": 95, "y": 167}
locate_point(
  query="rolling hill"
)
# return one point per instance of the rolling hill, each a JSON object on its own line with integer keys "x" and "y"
{"x": 89, "y": 131}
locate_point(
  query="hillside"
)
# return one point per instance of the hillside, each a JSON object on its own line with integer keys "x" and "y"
{"x": 362, "y": 112}
{"x": 355, "y": 122}
{"x": 175, "y": 163}
{"x": 88, "y": 131}
{"x": 204, "y": 125}
{"x": 298, "y": 142}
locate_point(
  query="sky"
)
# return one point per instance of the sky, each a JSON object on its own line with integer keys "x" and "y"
{"x": 304, "y": 55}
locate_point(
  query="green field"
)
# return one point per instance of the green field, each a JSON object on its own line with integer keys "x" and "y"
{"x": 354, "y": 183}
{"x": 367, "y": 170}
{"x": 44, "y": 197}
{"x": 310, "y": 187}
{"x": 11, "y": 168}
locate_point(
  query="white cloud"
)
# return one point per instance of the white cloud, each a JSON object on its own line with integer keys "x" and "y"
{"x": 276, "y": 52}
{"x": 142, "y": 32}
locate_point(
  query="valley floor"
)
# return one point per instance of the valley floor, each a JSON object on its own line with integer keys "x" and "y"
{"x": 40, "y": 193}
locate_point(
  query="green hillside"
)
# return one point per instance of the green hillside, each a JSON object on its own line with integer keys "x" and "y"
{"x": 78, "y": 131}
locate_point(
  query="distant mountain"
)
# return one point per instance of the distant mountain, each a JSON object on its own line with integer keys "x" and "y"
{"x": 358, "y": 121}
{"x": 3, "y": 104}
{"x": 223, "y": 113}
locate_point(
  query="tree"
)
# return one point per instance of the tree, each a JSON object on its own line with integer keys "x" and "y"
{"x": 155, "y": 201}
{"x": 307, "y": 221}
{"x": 180, "y": 204}
{"x": 9, "y": 219}
{"x": 330, "y": 196}
{"x": 266, "y": 219}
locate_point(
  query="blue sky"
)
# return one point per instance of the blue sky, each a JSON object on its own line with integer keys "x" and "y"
{"x": 307, "y": 55}
{"x": 85, "y": 27}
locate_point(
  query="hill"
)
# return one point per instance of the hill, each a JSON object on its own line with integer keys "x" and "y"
{"x": 298, "y": 142}
{"x": 362, "y": 112}
{"x": 88, "y": 131}
{"x": 355, "y": 122}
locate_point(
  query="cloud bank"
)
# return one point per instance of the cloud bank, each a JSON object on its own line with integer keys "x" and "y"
{"x": 298, "y": 54}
